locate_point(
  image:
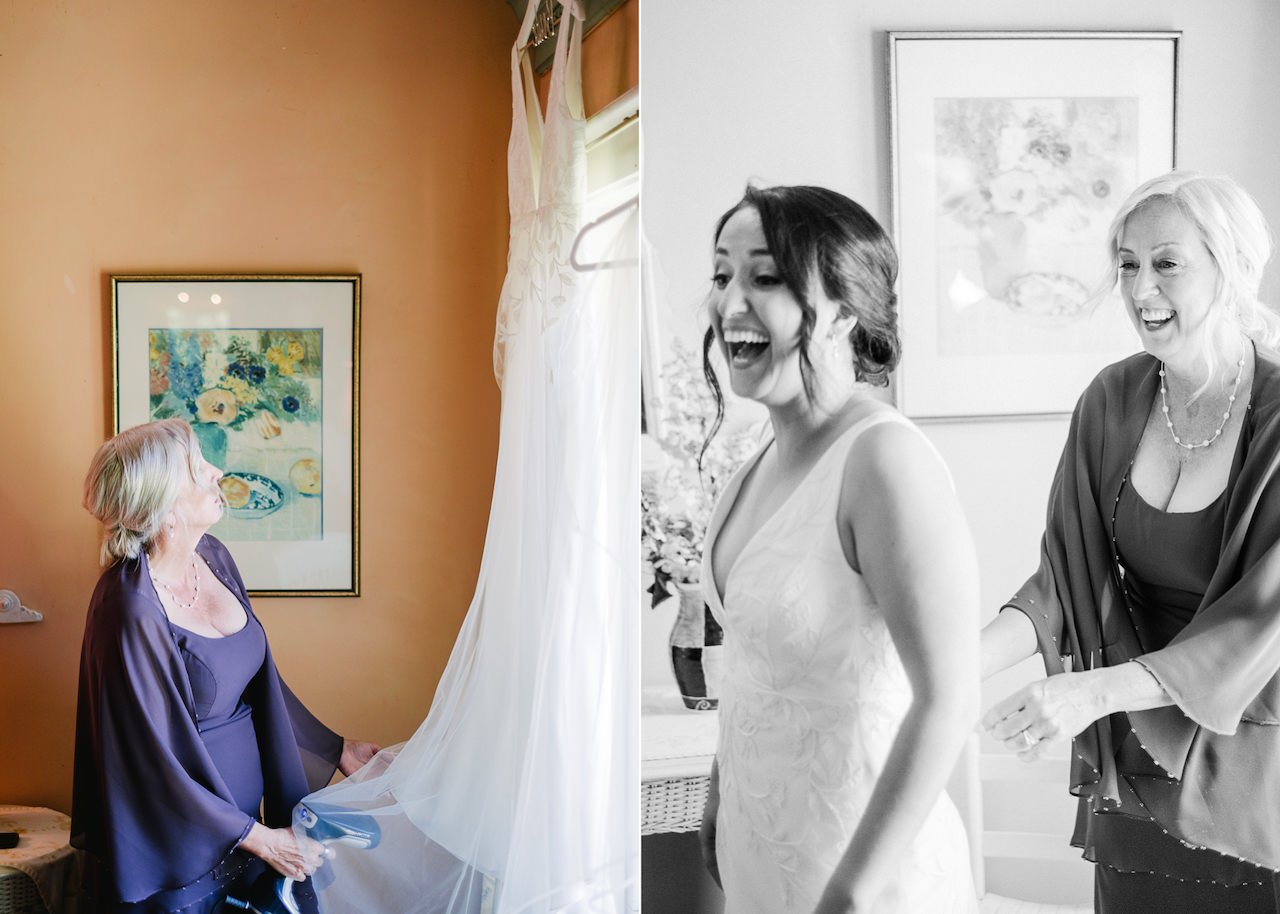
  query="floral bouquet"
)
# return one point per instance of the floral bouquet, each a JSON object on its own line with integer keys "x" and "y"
{"x": 676, "y": 499}
{"x": 1031, "y": 180}
{"x": 220, "y": 379}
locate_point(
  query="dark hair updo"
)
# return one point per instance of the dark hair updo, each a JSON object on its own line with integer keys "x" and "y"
{"x": 813, "y": 232}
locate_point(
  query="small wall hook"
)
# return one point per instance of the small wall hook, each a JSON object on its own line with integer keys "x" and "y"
{"x": 12, "y": 610}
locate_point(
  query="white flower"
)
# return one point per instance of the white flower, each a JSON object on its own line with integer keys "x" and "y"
{"x": 1011, "y": 145}
{"x": 214, "y": 366}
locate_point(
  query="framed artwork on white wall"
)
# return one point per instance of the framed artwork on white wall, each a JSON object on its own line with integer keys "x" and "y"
{"x": 266, "y": 369}
{"x": 1011, "y": 152}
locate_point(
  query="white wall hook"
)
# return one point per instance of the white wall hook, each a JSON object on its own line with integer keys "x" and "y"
{"x": 12, "y": 610}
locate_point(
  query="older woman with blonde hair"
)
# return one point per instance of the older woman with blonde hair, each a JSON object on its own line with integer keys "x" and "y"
{"x": 190, "y": 750}
{"x": 1156, "y": 607}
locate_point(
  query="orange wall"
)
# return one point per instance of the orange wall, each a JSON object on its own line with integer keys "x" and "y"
{"x": 240, "y": 136}
{"x": 610, "y": 59}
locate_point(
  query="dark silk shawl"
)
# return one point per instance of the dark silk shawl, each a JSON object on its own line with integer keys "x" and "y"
{"x": 1219, "y": 744}
{"x": 148, "y": 804}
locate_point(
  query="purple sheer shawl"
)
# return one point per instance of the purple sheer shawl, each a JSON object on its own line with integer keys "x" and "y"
{"x": 1219, "y": 745}
{"x": 148, "y": 804}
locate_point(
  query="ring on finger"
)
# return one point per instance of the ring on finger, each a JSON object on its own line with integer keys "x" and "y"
{"x": 1026, "y": 739}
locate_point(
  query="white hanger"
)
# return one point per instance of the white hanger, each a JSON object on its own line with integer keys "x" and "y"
{"x": 618, "y": 210}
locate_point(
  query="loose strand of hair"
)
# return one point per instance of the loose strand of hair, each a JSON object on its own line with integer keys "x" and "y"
{"x": 808, "y": 319}
{"x": 709, "y": 374}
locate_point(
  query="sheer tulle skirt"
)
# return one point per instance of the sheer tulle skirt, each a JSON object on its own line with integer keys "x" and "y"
{"x": 517, "y": 794}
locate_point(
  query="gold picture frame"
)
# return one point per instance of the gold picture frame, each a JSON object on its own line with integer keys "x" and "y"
{"x": 266, "y": 368}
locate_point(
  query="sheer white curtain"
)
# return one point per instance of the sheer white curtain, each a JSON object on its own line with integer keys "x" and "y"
{"x": 519, "y": 792}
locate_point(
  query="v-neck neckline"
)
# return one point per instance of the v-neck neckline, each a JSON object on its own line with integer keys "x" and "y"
{"x": 534, "y": 115}
{"x": 730, "y": 499}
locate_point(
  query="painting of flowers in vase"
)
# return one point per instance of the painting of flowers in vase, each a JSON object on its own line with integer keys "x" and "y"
{"x": 1026, "y": 188}
{"x": 253, "y": 398}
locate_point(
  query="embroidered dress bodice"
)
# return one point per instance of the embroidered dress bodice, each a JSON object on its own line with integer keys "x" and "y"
{"x": 813, "y": 695}
{"x": 547, "y": 177}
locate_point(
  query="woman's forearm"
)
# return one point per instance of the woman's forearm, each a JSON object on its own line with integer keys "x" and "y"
{"x": 1006, "y": 640}
{"x": 916, "y": 771}
{"x": 1127, "y": 687}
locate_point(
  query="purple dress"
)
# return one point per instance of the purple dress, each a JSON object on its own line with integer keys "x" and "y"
{"x": 180, "y": 739}
{"x": 1168, "y": 561}
{"x": 1218, "y": 746}
{"x": 220, "y": 670}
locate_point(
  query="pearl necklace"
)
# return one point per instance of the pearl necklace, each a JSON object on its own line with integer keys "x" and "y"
{"x": 1226, "y": 416}
{"x": 169, "y": 590}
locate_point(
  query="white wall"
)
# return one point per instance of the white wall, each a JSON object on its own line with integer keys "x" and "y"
{"x": 796, "y": 93}
{"x": 788, "y": 93}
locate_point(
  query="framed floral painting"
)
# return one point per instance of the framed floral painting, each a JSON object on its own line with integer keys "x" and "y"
{"x": 1011, "y": 152}
{"x": 267, "y": 371}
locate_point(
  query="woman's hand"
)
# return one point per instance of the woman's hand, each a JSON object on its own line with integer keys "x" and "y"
{"x": 1046, "y": 712}
{"x": 355, "y": 753}
{"x": 707, "y": 831}
{"x": 1061, "y": 706}
{"x": 280, "y": 849}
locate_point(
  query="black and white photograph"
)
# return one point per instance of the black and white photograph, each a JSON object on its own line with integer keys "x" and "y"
{"x": 989, "y": 633}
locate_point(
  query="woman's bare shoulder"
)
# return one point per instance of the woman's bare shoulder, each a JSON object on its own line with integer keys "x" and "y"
{"x": 892, "y": 468}
{"x": 891, "y": 446}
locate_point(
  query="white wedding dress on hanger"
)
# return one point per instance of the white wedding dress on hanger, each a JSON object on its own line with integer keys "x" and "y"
{"x": 517, "y": 793}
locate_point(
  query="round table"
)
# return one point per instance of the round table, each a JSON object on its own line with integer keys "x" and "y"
{"x": 40, "y": 875}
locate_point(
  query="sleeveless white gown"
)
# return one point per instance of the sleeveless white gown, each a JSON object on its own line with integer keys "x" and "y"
{"x": 517, "y": 793}
{"x": 813, "y": 696}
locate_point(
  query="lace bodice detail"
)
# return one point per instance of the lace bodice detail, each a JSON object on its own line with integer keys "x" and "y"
{"x": 813, "y": 695}
{"x": 546, "y": 162}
